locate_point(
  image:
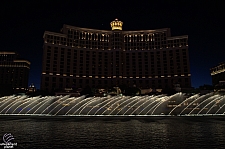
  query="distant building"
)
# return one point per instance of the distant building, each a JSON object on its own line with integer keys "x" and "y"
{"x": 218, "y": 74}
{"x": 31, "y": 88}
{"x": 79, "y": 57}
{"x": 14, "y": 73}
{"x": 206, "y": 89}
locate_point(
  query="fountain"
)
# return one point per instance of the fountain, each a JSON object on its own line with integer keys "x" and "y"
{"x": 156, "y": 105}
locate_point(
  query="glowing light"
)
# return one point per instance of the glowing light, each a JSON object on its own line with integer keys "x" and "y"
{"x": 218, "y": 71}
{"x": 116, "y": 25}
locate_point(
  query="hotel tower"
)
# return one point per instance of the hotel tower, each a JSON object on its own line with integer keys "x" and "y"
{"x": 14, "y": 73}
{"x": 79, "y": 57}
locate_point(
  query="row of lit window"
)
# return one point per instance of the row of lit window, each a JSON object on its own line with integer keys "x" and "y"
{"x": 116, "y": 76}
{"x": 126, "y": 48}
{"x": 101, "y": 33}
{"x": 128, "y": 54}
{"x": 171, "y": 43}
{"x": 14, "y": 66}
{"x": 65, "y": 50}
{"x": 84, "y": 34}
{"x": 20, "y": 88}
{"x": 131, "y": 43}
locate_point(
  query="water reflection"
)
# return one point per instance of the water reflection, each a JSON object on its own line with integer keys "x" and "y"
{"x": 158, "y": 133}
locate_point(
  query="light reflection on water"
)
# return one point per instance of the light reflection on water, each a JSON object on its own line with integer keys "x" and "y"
{"x": 114, "y": 133}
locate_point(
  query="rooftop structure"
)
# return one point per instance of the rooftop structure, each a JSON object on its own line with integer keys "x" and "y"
{"x": 218, "y": 73}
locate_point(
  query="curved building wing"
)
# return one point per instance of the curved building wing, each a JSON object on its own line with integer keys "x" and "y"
{"x": 79, "y": 57}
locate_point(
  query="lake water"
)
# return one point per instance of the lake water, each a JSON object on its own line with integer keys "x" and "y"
{"x": 159, "y": 132}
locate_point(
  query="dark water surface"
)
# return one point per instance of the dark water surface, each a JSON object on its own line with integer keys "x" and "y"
{"x": 180, "y": 132}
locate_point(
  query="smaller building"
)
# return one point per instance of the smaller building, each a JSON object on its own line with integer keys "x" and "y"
{"x": 14, "y": 73}
{"x": 31, "y": 88}
{"x": 218, "y": 74}
{"x": 205, "y": 89}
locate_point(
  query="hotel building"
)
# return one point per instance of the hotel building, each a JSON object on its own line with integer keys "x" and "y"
{"x": 77, "y": 57}
{"x": 218, "y": 74}
{"x": 14, "y": 72}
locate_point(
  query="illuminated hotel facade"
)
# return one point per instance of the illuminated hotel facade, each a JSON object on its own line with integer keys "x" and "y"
{"x": 79, "y": 57}
{"x": 14, "y": 72}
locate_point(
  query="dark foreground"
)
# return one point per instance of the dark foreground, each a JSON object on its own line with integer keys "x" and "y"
{"x": 114, "y": 132}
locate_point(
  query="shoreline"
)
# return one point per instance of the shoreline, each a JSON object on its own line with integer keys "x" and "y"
{"x": 119, "y": 117}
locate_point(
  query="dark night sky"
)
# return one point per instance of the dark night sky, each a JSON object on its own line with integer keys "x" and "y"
{"x": 24, "y": 22}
